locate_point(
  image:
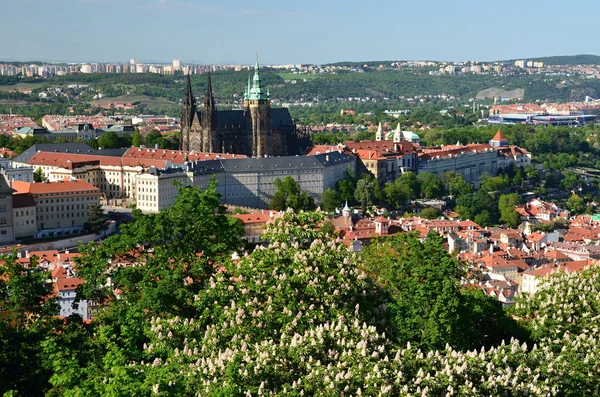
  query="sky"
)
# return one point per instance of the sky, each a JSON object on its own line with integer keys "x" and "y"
{"x": 294, "y": 31}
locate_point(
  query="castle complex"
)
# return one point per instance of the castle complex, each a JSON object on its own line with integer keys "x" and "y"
{"x": 257, "y": 131}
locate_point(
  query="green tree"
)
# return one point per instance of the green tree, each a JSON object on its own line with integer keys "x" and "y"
{"x": 367, "y": 190}
{"x": 154, "y": 138}
{"x": 410, "y": 180}
{"x": 576, "y": 204}
{"x": 38, "y": 175}
{"x": 423, "y": 281}
{"x": 187, "y": 242}
{"x": 431, "y": 186}
{"x": 483, "y": 219}
{"x": 28, "y": 317}
{"x": 330, "y": 200}
{"x": 570, "y": 180}
{"x": 532, "y": 172}
{"x": 430, "y": 213}
{"x": 489, "y": 184}
{"x": 328, "y": 228}
{"x": 397, "y": 193}
{"x": 506, "y": 207}
{"x": 457, "y": 186}
{"x": 110, "y": 140}
{"x": 346, "y": 186}
{"x": 137, "y": 139}
{"x": 479, "y": 204}
{"x": 97, "y": 220}
{"x": 289, "y": 195}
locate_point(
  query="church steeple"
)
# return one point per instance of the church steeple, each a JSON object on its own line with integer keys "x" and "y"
{"x": 398, "y": 136}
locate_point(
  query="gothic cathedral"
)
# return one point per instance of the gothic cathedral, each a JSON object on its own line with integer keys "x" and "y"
{"x": 256, "y": 131}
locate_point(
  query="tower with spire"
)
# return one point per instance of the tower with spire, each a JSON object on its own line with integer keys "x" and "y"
{"x": 257, "y": 111}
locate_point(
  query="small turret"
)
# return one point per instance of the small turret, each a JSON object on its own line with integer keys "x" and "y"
{"x": 379, "y": 133}
{"x": 346, "y": 211}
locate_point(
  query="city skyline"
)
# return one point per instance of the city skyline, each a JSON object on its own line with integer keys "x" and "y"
{"x": 232, "y": 32}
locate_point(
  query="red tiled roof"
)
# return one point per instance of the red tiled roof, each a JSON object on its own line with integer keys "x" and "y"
{"x": 59, "y": 272}
{"x": 175, "y": 156}
{"x": 499, "y": 137}
{"x": 66, "y": 160}
{"x": 257, "y": 217}
{"x": 557, "y": 255}
{"x": 73, "y": 186}
{"x": 320, "y": 149}
{"x": 383, "y": 148}
{"x": 68, "y": 284}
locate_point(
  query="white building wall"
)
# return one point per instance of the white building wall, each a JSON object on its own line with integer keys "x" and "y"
{"x": 66, "y": 300}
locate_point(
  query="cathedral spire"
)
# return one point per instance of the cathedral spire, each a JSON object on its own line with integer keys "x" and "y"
{"x": 256, "y": 92}
{"x": 189, "y": 104}
{"x": 209, "y": 100}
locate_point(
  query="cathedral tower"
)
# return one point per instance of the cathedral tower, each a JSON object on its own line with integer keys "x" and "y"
{"x": 210, "y": 136}
{"x": 188, "y": 111}
{"x": 257, "y": 109}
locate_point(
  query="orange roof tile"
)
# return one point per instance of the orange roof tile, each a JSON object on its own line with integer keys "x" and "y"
{"x": 73, "y": 186}
{"x": 499, "y": 137}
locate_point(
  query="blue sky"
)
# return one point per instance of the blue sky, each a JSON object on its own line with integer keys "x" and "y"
{"x": 294, "y": 31}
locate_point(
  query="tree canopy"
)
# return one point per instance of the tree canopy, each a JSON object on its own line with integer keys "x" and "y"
{"x": 289, "y": 195}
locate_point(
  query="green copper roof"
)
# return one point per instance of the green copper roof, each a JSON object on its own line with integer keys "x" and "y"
{"x": 255, "y": 92}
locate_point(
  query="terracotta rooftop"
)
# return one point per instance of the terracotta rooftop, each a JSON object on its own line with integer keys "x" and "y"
{"x": 257, "y": 217}
{"x": 68, "y": 284}
{"x": 499, "y": 137}
{"x": 73, "y": 186}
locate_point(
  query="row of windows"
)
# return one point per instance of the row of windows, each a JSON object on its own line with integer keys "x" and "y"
{"x": 59, "y": 216}
{"x": 63, "y": 200}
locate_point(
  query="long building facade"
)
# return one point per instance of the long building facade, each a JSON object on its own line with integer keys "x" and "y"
{"x": 256, "y": 131}
{"x": 244, "y": 182}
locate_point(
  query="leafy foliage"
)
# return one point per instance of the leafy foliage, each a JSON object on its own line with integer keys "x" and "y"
{"x": 289, "y": 195}
{"x": 424, "y": 285}
{"x": 97, "y": 220}
{"x": 26, "y": 320}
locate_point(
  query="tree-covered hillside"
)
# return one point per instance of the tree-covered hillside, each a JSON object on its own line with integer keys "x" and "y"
{"x": 568, "y": 60}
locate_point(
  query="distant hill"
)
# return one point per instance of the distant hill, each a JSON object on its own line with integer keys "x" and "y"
{"x": 491, "y": 93}
{"x": 583, "y": 59}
